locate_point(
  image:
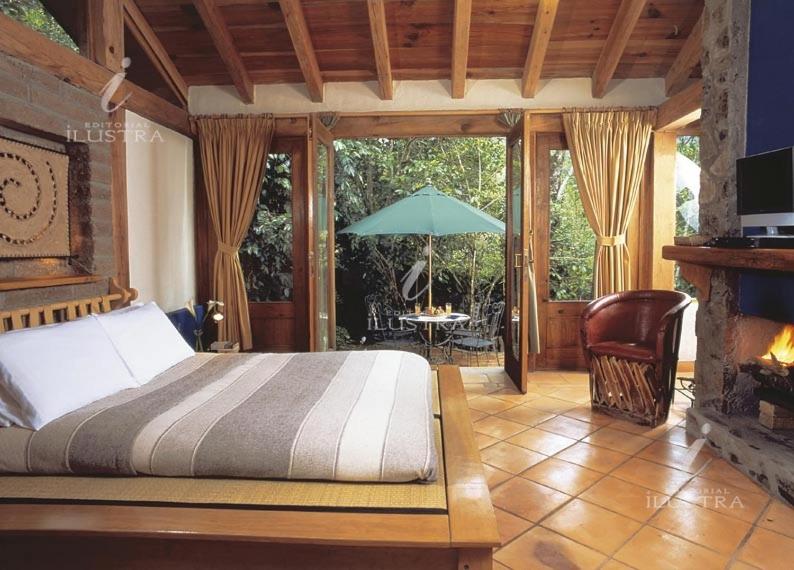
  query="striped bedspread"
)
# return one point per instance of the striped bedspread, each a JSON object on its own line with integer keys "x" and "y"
{"x": 341, "y": 416}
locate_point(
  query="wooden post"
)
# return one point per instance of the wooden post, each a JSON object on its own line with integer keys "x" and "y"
{"x": 105, "y": 39}
{"x": 118, "y": 201}
{"x": 105, "y": 33}
{"x": 663, "y": 199}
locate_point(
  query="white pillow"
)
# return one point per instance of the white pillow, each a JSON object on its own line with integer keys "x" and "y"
{"x": 52, "y": 370}
{"x": 146, "y": 340}
{"x": 9, "y": 410}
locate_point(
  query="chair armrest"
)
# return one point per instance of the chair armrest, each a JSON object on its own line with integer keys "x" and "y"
{"x": 670, "y": 319}
{"x": 594, "y": 322}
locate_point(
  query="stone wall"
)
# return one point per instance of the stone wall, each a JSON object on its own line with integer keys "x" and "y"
{"x": 724, "y": 63}
{"x": 39, "y": 102}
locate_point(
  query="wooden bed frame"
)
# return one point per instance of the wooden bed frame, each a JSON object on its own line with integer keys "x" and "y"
{"x": 119, "y": 536}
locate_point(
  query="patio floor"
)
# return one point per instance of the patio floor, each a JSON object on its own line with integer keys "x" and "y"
{"x": 577, "y": 489}
{"x": 459, "y": 357}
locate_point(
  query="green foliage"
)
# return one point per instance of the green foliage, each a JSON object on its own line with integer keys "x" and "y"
{"x": 266, "y": 253}
{"x": 34, "y": 15}
{"x": 373, "y": 173}
{"x": 689, "y": 146}
{"x": 572, "y": 241}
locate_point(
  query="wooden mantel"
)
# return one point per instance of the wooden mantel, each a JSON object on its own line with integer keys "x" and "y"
{"x": 697, "y": 263}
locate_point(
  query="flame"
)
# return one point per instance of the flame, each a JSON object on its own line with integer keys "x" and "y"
{"x": 782, "y": 346}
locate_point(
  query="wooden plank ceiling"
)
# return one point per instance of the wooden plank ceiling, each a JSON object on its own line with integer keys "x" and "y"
{"x": 338, "y": 36}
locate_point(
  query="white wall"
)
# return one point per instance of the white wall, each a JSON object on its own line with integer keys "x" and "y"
{"x": 353, "y": 97}
{"x": 689, "y": 341}
{"x": 160, "y": 213}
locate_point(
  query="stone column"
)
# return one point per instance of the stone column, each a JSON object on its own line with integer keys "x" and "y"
{"x": 724, "y": 62}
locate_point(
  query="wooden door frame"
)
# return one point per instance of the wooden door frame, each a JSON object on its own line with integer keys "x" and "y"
{"x": 518, "y": 368}
{"x": 206, "y": 245}
{"x": 319, "y": 134}
{"x": 546, "y": 142}
{"x": 296, "y": 148}
{"x": 551, "y": 135}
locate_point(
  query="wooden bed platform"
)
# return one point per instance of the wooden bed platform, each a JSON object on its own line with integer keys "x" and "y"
{"x": 111, "y": 536}
{"x": 123, "y": 536}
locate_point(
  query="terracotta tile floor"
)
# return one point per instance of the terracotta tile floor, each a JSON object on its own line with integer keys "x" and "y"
{"x": 576, "y": 489}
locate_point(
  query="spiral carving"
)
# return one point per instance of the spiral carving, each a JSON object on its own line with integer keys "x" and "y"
{"x": 21, "y": 196}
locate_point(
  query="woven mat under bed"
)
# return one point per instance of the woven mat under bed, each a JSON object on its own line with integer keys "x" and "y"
{"x": 319, "y": 495}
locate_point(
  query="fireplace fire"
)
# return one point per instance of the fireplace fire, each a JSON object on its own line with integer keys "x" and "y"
{"x": 774, "y": 372}
{"x": 782, "y": 348}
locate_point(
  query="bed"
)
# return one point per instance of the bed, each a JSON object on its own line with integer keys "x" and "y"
{"x": 179, "y": 522}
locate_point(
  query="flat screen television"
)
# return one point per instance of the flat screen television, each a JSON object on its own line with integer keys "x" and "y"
{"x": 766, "y": 188}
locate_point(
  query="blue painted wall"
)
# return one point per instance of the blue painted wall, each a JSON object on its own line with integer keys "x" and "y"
{"x": 770, "y": 125}
{"x": 770, "y": 89}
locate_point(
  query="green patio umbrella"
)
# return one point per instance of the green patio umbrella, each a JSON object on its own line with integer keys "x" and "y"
{"x": 427, "y": 212}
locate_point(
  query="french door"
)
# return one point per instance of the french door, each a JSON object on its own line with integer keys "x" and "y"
{"x": 321, "y": 253}
{"x": 275, "y": 268}
{"x": 519, "y": 281}
{"x": 564, "y": 245}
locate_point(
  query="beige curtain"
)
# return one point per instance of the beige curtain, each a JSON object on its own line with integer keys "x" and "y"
{"x": 608, "y": 151}
{"x": 233, "y": 154}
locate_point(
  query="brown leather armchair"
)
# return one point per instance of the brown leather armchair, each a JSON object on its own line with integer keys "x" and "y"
{"x": 631, "y": 340}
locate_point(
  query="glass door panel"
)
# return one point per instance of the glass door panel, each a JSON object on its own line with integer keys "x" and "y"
{"x": 514, "y": 237}
{"x": 565, "y": 255}
{"x": 273, "y": 253}
{"x": 321, "y": 247}
{"x": 323, "y": 289}
{"x": 266, "y": 253}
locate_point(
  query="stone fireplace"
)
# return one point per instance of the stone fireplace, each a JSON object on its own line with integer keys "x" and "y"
{"x": 726, "y": 407}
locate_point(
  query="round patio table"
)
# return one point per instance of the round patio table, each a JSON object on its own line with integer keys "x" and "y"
{"x": 431, "y": 338}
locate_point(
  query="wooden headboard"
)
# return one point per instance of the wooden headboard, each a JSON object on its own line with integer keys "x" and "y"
{"x": 29, "y": 317}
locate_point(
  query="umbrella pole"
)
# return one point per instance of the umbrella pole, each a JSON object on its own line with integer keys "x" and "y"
{"x": 430, "y": 292}
{"x": 430, "y": 271}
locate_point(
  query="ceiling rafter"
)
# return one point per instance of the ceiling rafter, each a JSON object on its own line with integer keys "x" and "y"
{"x": 213, "y": 20}
{"x": 620, "y": 32}
{"x": 541, "y": 34}
{"x": 682, "y": 109}
{"x": 460, "y": 47}
{"x": 139, "y": 27}
{"x": 686, "y": 60}
{"x": 304, "y": 50}
{"x": 380, "y": 44}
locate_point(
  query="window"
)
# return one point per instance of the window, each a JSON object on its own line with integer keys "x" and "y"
{"x": 571, "y": 240}
{"x": 34, "y": 15}
{"x": 266, "y": 253}
{"x": 687, "y": 194}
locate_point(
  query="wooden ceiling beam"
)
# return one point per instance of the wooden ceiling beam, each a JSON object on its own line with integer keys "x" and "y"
{"x": 460, "y": 47}
{"x": 34, "y": 48}
{"x": 686, "y": 60}
{"x": 541, "y": 34}
{"x": 211, "y": 15}
{"x": 380, "y": 44}
{"x": 681, "y": 109}
{"x": 151, "y": 44}
{"x": 304, "y": 50}
{"x": 620, "y": 32}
